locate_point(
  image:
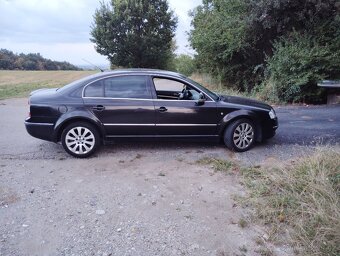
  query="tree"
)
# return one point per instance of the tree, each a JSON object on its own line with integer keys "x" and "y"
{"x": 135, "y": 33}
{"x": 31, "y": 61}
{"x": 236, "y": 39}
{"x": 185, "y": 64}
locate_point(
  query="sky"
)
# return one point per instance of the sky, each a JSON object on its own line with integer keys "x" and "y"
{"x": 60, "y": 29}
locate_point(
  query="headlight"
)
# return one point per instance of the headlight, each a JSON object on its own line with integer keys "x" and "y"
{"x": 272, "y": 114}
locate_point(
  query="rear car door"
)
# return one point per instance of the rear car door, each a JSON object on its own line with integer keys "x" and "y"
{"x": 123, "y": 103}
{"x": 182, "y": 116}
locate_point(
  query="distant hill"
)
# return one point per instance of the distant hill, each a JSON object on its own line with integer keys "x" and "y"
{"x": 31, "y": 61}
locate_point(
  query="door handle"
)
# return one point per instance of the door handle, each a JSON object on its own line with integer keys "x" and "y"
{"x": 162, "y": 109}
{"x": 98, "y": 108}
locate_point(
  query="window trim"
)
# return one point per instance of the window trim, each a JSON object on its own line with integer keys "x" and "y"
{"x": 153, "y": 91}
{"x": 208, "y": 98}
{"x": 118, "y": 75}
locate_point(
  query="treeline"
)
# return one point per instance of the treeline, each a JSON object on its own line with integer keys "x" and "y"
{"x": 277, "y": 49}
{"x": 31, "y": 61}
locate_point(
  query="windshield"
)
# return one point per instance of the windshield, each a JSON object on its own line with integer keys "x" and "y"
{"x": 213, "y": 95}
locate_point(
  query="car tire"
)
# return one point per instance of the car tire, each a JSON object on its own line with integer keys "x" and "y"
{"x": 240, "y": 135}
{"x": 80, "y": 139}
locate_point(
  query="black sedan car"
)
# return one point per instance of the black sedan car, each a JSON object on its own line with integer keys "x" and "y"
{"x": 139, "y": 103}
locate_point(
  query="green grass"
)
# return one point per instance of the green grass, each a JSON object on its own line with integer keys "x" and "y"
{"x": 15, "y": 83}
{"x": 300, "y": 204}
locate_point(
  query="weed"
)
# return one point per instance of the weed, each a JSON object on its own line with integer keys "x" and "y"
{"x": 302, "y": 200}
{"x": 242, "y": 223}
{"x": 219, "y": 165}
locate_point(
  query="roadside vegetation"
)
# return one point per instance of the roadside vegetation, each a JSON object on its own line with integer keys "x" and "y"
{"x": 298, "y": 204}
{"x": 20, "y": 83}
{"x": 31, "y": 61}
{"x": 276, "y": 49}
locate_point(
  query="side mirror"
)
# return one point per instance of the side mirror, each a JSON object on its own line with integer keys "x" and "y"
{"x": 200, "y": 102}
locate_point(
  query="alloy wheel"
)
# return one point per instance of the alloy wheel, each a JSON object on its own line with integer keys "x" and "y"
{"x": 243, "y": 135}
{"x": 80, "y": 140}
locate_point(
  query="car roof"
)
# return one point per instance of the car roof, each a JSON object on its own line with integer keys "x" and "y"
{"x": 139, "y": 71}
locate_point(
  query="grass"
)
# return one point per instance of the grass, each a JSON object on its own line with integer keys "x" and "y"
{"x": 300, "y": 204}
{"x": 21, "y": 83}
{"x": 218, "y": 165}
{"x": 215, "y": 86}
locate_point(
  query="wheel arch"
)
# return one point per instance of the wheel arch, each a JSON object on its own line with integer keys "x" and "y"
{"x": 240, "y": 114}
{"x": 63, "y": 124}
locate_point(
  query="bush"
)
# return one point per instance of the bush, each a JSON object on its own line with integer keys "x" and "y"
{"x": 185, "y": 65}
{"x": 298, "y": 63}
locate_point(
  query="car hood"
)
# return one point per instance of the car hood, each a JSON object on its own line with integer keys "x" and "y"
{"x": 245, "y": 101}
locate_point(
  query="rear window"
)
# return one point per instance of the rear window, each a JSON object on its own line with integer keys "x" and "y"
{"x": 119, "y": 87}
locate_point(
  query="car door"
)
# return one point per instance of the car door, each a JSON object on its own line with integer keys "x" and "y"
{"x": 123, "y": 104}
{"x": 179, "y": 116}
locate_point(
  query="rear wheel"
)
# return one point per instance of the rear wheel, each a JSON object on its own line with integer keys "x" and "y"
{"x": 80, "y": 139}
{"x": 240, "y": 135}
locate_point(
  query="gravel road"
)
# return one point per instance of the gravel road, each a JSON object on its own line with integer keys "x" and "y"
{"x": 137, "y": 198}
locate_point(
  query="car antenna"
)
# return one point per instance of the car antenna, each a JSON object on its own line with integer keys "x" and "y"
{"x": 101, "y": 70}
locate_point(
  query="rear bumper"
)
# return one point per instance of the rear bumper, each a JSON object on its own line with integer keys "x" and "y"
{"x": 42, "y": 131}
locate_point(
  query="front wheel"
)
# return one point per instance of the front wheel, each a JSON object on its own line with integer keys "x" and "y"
{"x": 240, "y": 135}
{"x": 80, "y": 139}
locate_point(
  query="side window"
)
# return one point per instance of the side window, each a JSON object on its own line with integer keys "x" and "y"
{"x": 162, "y": 84}
{"x": 95, "y": 89}
{"x": 168, "y": 89}
{"x": 119, "y": 87}
{"x": 126, "y": 87}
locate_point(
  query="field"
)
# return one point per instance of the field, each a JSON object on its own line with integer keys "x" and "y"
{"x": 15, "y": 84}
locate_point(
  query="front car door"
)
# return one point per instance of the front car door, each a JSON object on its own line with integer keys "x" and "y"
{"x": 123, "y": 104}
{"x": 178, "y": 113}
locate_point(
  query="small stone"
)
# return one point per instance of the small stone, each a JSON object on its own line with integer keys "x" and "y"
{"x": 32, "y": 190}
{"x": 119, "y": 229}
{"x": 82, "y": 227}
{"x": 24, "y": 225}
{"x": 182, "y": 202}
{"x": 100, "y": 212}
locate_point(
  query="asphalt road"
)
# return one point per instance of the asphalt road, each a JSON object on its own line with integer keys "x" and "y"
{"x": 310, "y": 125}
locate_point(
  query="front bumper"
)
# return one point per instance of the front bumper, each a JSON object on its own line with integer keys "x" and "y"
{"x": 42, "y": 131}
{"x": 269, "y": 129}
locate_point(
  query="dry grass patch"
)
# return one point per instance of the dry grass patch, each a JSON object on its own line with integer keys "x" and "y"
{"x": 300, "y": 204}
{"x": 215, "y": 86}
{"x": 218, "y": 165}
{"x": 14, "y": 83}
